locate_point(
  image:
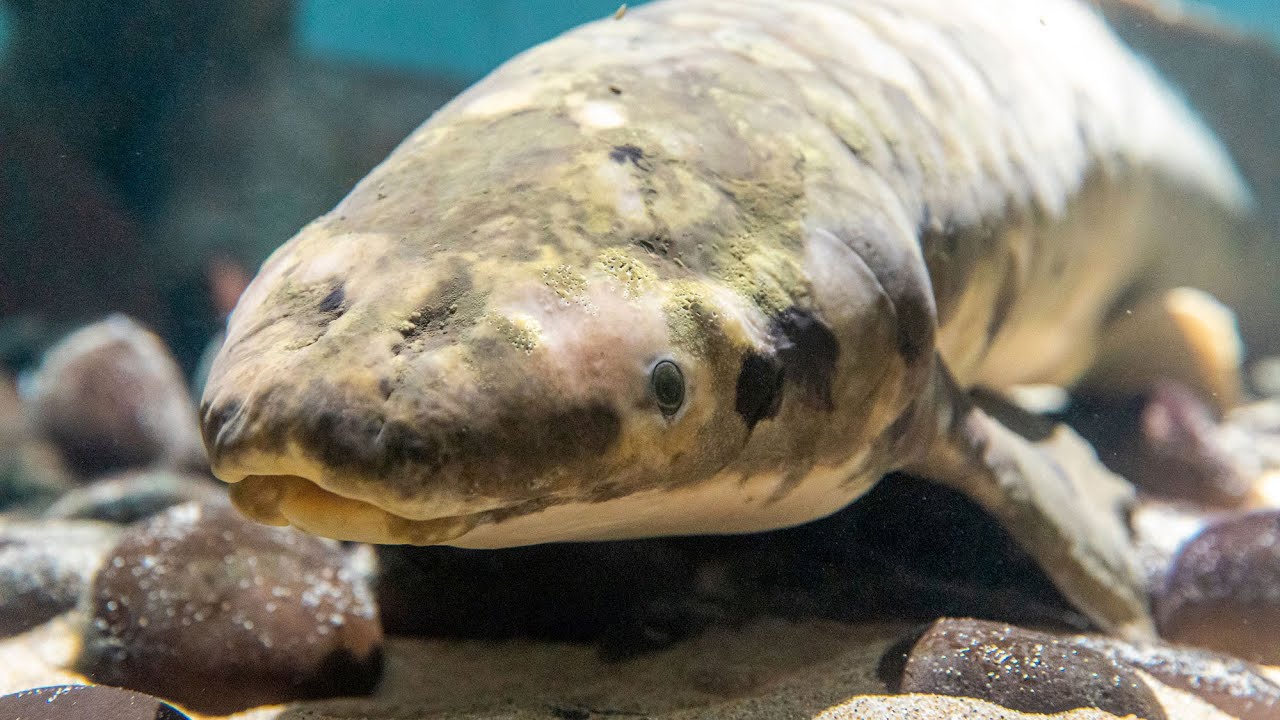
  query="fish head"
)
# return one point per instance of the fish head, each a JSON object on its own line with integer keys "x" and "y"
{"x": 545, "y": 319}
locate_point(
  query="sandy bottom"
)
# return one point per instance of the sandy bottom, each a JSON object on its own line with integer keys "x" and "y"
{"x": 767, "y": 669}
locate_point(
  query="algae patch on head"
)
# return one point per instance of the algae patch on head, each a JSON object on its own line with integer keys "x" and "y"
{"x": 566, "y": 282}
{"x": 691, "y": 316}
{"x": 632, "y": 274}
{"x": 770, "y": 277}
{"x": 521, "y": 331}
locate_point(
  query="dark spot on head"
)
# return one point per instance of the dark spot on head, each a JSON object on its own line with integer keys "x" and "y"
{"x": 808, "y": 351}
{"x": 759, "y": 388}
{"x": 615, "y": 89}
{"x": 622, "y": 153}
{"x": 332, "y": 303}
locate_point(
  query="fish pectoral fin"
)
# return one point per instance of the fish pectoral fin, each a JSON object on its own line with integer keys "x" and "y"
{"x": 1056, "y": 499}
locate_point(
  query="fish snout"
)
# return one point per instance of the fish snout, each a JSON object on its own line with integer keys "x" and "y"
{"x": 332, "y": 458}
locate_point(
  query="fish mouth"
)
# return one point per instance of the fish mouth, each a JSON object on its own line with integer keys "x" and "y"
{"x": 292, "y": 500}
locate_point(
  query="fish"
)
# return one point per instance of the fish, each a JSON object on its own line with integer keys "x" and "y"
{"x": 719, "y": 266}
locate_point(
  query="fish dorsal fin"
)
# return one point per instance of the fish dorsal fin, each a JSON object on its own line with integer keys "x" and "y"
{"x": 1230, "y": 76}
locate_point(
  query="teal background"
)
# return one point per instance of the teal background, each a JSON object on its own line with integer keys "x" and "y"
{"x": 470, "y": 37}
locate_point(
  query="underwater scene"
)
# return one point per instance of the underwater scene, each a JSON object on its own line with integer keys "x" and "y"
{"x": 525, "y": 359}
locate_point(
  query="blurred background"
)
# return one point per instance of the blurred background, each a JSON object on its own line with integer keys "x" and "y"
{"x": 153, "y": 152}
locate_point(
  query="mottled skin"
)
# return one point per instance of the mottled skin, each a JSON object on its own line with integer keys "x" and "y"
{"x": 832, "y": 216}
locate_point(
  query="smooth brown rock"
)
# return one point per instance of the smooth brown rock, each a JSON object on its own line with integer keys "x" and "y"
{"x": 85, "y": 702}
{"x": 110, "y": 396}
{"x": 201, "y": 606}
{"x": 31, "y": 471}
{"x": 1023, "y": 670}
{"x": 1223, "y": 591}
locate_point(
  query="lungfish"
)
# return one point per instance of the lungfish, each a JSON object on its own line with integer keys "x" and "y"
{"x": 717, "y": 266}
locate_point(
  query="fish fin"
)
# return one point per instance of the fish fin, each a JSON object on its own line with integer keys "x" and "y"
{"x": 1053, "y": 495}
{"x": 1184, "y": 335}
{"x": 1230, "y": 76}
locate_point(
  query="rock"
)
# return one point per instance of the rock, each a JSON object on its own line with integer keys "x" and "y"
{"x": 1170, "y": 444}
{"x": 1223, "y": 591}
{"x": 941, "y": 707}
{"x": 133, "y": 495}
{"x": 85, "y": 702}
{"x": 45, "y": 569}
{"x": 1023, "y": 670}
{"x": 31, "y": 472}
{"x": 1240, "y": 689}
{"x": 201, "y": 606}
{"x": 110, "y": 396}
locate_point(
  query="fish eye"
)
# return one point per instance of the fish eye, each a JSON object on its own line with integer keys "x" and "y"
{"x": 667, "y": 383}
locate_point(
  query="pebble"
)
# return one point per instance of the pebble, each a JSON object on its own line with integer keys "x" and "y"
{"x": 1238, "y": 688}
{"x": 1023, "y": 670}
{"x": 201, "y": 606}
{"x": 1186, "y": 453}
{"x": 45, "y": 568}
{"x": 110, "y": 396}
{"x": 31, "y": 471}
{"x": 85, "y": 702}
{"x": 1223, "y": 591}
{"x": 941, "y": 707}
{"x": 133, "y": 495}
{"x": 1170, "y": 444}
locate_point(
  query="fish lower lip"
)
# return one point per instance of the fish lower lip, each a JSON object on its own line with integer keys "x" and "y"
{"x": 293, "y": 500}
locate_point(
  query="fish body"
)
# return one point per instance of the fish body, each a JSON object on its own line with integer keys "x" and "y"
{"x": 719, "y": 266}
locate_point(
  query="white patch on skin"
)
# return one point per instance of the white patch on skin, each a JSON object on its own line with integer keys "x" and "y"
{"x": 598, "y": 115}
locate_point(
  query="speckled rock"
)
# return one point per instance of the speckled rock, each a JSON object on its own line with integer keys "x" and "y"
{"x": 85, "y": 702}
{"x": 201, "y": 606}
{"x": 1223, "y": 591}
{"x": 1023, "y": 670}
{"x": 1238, "y": 688}
{"x": 45, "y": 569}
{"x": 110, "y": 396}
{"x": 941, "y": 707}
{"x": 134, "y": 495}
